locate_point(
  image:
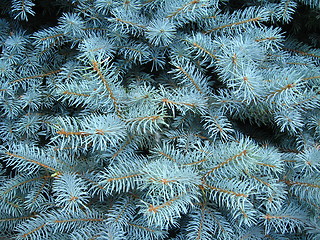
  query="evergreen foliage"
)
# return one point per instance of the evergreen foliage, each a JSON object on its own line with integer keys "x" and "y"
{"x": 159, "y": 119}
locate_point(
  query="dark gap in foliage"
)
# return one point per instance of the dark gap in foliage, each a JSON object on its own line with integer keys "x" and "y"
{"x": 46, "y": 15}
{"x": 260, "y": 133}
{"x": 305, "y": 25}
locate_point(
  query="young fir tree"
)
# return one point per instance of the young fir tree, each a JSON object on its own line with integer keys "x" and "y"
{"x": 158, "y": 119}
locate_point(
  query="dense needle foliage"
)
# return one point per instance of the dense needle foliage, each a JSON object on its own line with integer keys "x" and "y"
{"x": 159, "y": 119}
